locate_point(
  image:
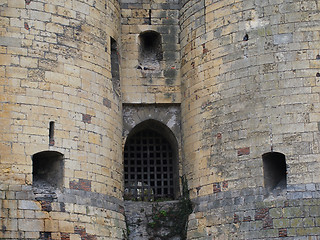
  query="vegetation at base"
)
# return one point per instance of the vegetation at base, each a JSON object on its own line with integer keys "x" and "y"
{"x": 165, "y": 224}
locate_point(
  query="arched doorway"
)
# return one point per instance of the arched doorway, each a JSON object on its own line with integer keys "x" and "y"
{"x": 150, "y": 163}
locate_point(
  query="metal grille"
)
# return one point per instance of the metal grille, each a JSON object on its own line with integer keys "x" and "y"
{"x": 148, "y": 167}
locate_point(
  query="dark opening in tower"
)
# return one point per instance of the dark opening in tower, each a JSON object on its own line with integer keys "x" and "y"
{"x": 47, "y": 169}
{"x": 51, "y": 133}
{"x": 150, "y": 50}
{"x": 115, "y": 73}
{"x": 274, "y": 170}
{"x": 150, "y": 167}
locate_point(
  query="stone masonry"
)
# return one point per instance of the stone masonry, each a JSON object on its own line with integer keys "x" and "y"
{"x": 249, "y": 73}
{"x": 55, "y": 67}
{"x": 233, "y": 85}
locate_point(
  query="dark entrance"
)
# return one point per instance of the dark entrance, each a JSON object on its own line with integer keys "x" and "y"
{"x": 148, "y": 166}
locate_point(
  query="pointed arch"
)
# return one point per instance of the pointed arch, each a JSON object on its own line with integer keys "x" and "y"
{"x": 151, "y": 162}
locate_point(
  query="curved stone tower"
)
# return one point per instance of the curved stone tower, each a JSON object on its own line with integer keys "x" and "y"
{"x": 60, "y": 113}
{"x": 250, "y": 117}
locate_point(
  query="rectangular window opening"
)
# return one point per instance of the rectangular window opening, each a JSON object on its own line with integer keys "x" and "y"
{"x": 275, "y": 172}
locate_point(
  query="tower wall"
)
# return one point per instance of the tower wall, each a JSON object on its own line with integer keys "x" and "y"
{"x": 56, "y": 80}
{"x": 249, "y": 78}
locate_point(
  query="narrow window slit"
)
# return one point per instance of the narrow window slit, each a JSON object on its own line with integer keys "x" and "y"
{"x": 115, "y": 72}
{"x": 149, "y": 16}
{"x": 51, "y": 133}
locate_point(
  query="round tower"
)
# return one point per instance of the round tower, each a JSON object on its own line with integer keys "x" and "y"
{"x": 60, "y": 112}
{"x": 250, "y": 117}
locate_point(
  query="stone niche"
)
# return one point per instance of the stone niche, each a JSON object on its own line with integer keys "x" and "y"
{"x": 150, "y": 51}
{"x": 48, "y": 169}
{"x": 275, "y": 171}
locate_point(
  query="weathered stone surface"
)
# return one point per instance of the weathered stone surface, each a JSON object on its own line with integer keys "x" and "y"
{"x": 235, "y": 72}
{"x": 54, "y": 69}
{"x": 29, "y": 205}
{"x": 229, "y": 80}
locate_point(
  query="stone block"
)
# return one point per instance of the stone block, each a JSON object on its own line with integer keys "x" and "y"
{"x": 80, "y": 209}
{"x": 308, "y": 222}
{"x": 29, "y": 205}
{"x": 16, "y": 4}
{"x": 281, "y": 223}
{"x": 275, "y": 212}
{"x": 16, "y": 72}
{"x": 50, "y": 8}
{"x": 28, "y": 62}
{"x": 81, "y": 7}
{"x": 9, "y": 204}
{"x": 293, "y": 212}
{"x": 66, "y": 227}
{"x": 32, "y": 235}
{"x": 38, "y": 15}
{"x": 51, "y": 225}
{"x": 310, "y": 187}
{"x": 307, "y": 195}
{"x": 75, "y": 237}
{"x": 10, "y": 224}
{"x": 54, "y": 27}
{"x": 283, "y": 38}
{"x": 296, "y": 222}
{"x": 31, "y": 225}
{"x": 39, "y": 6}
{"x": 314, "y": 211}
{"x": 11, "y": 12}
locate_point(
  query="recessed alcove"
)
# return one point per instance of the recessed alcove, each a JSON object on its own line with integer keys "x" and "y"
{"x": 150, "y": 50}
{"x": 275, "y": 171}
{"x": 47, "y": 169}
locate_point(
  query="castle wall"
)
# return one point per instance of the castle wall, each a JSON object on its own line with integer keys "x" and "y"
{"x": 57, "y": 98}
{"x": 250, "y": 86}
{"x": 150, "y": 86}
{"x": 245, "y": 72}
{"x": 153, "y": 79}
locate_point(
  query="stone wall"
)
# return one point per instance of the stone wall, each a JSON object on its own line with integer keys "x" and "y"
{"x": 29, "y": 213}
{"x": 245, "y": 72}
{"x": 150, "y": 80}
{"x": 140, "y": 220}
{"x": 150, "y": 84}
{"x": 57, "y": 97}
{"x": 249, "y": 86}
{"x": 247, "y": 214}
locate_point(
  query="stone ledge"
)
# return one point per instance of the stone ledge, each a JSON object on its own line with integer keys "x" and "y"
{"x": 249, "y": 197}
{"x": 74, "y": 196}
